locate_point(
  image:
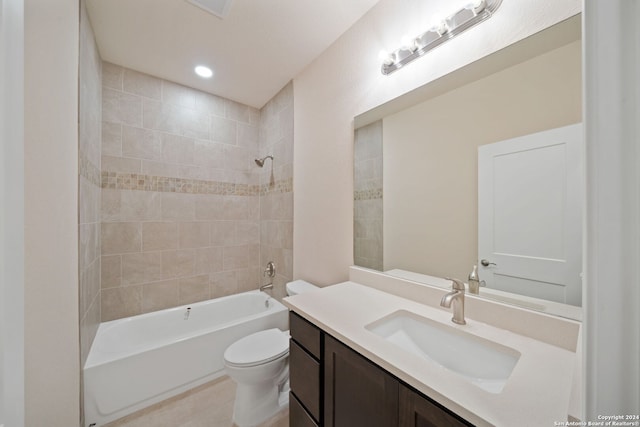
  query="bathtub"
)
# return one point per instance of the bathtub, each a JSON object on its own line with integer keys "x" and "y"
{"x": 141, "y": 360}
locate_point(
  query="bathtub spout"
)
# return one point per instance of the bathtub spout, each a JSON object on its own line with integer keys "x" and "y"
{"x": 265, "y": 287}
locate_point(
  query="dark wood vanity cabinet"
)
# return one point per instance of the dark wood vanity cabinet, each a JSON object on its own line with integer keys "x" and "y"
{"x": 357, "y": 392}
{"x": 305, "y": 373}
{"x": 419, "y": 411}
{"x": 334, "y": 386}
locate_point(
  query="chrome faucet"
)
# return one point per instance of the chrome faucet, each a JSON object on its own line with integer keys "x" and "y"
{"x": 455, "y": 298}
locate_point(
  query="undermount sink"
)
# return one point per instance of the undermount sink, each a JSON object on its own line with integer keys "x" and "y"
{"x": 484, "y": 363}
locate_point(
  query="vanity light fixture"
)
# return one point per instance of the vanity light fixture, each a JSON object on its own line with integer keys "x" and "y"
{"x": 473, "y": 13}
{"x": 204, "y": 72}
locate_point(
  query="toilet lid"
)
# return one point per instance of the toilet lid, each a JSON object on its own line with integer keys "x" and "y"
{"x": 258, "y": 348}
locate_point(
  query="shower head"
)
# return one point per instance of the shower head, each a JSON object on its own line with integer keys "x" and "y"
{"x": 260, "y": 162}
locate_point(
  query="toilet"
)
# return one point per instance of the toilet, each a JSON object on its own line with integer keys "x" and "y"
{"x": 259, "y": 364}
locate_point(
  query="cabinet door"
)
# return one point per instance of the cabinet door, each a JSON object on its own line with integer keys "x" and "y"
{"x": 357, "y": 392}
{"x": 418, "y": 411}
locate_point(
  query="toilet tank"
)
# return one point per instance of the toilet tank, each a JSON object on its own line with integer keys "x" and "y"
{"x": 299, "y": 286}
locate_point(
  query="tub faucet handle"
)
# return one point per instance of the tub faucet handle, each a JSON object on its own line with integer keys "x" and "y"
{"x": 270, "y": 270}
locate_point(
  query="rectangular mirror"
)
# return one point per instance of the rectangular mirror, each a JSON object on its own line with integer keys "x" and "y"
{"x": 421, "y": 200}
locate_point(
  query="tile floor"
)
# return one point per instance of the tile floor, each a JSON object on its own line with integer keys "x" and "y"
{"x": 209, "y": 405}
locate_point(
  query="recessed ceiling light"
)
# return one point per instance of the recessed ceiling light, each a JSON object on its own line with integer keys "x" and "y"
{"x": 204, "y": 72}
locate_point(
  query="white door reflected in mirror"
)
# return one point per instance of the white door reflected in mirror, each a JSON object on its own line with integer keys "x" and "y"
{"x": 530, "y": 214}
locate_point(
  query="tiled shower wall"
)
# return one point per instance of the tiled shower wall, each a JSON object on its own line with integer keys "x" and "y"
{"x": 368, "y": 207}
{"x": 181, "y": 207}
{"x": 276, "y": 179}
{"x": 90, "y": 119}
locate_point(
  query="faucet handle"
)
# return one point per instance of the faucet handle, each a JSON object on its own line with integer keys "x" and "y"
{"x": 456, "y": 285}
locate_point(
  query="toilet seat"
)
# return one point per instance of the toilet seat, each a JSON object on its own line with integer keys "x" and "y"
{"x": 258, "y": 348}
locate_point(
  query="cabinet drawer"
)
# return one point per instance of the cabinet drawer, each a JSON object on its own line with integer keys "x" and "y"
{"x": 304, "y": 375}
{"x": 298, "y": 416}
{"x": 305, "y": 334}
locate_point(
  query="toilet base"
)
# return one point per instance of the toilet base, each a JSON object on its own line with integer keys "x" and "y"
{"x": 254, "y": 405}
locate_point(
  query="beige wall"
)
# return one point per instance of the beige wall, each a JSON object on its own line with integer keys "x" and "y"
{"x": 346, "y": 81}
{"x": 180, "y": 196}
{"x": 276, "y": 189}
{"x": 430, "y": 153}
{"x": 187, "y": 215}
{"x": 52, "y": 352}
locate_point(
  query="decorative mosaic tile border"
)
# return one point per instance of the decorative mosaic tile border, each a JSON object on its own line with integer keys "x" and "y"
{"x": 88, "y": 170}
{"x": 370, "y": 194}
{"x": 142, "y": 182}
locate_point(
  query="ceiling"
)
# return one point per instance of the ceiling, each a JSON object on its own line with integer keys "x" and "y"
{"x": 259, "y": 47}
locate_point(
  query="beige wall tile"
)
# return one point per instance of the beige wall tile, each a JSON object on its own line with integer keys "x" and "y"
{"x": 249, "y": 279}
{"x": 223, "y": 130}
{"x": 111, "y": 271}
{"x": 195, "y": 246}
{"x": 223, "y": 233}
{"x": 173, "y": 93}
{"x": 140, "y": 268}
{"x": 121, "y": 237}
{"x": 192, "y": 172}
{"x": 223, "y": 284}
{"x": 194, "y": 289}
{"x": 140, "y": 205}
{"x": 112, "y": 75}
{"x": 121, "y": 302}
{"x": 178, "y": 207}
{"x": 247, "y": 232}
{"x": 123, "y": 108}
{"x": 175, "y": 119}
{"x": 253, "y": 206}
{"x": 208, "y": 207}
{"x": 159, "y": 236}
{"x": 236, "y": 111}
{"x": 235, "y": 208}
{"x": 110, "y": 206}
{"x": 88, "y": 327}
{"x": 209, "y": 154}
{"x": 210, "y": 104}
{"x": 193, "y": 235}
{"x": 180, "y": 263}
{"x": 177, "y": 149}
{"x": 141, "y": 143}
{"x": 254, "y": 255}
{"x": 160, "y": 295}
{"x": 111, "y": 139}
{"x": 120, "y": 164}
{"x": 235, "y": 257}
{"x": 89, "y": 202}
{"x": 154, "y": 168}
{"x": 248, "y": 136}
{"x": 208, "y": 260}
{"x": 237, "y": 158}
{"x": 141, "y": 84}
{"x": 89, "y": 243}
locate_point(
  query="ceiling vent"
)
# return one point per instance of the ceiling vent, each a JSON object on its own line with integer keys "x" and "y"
{"x": 220, "y": 8}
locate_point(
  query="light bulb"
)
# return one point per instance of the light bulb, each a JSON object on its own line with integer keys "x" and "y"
{"x": 408, "y": 43}
{"x": 385, "y": 57}
{"x": 476, "y": 5}
{"x": 440, "y": 28}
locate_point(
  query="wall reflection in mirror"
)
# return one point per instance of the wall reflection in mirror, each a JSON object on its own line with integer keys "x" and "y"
{"x": 487, "y": 166}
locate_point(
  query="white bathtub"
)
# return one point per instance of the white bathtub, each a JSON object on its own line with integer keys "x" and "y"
{"x": 137, "y": 361}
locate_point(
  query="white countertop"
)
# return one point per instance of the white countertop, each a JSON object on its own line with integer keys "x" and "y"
{"x": 536, "y": 394}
